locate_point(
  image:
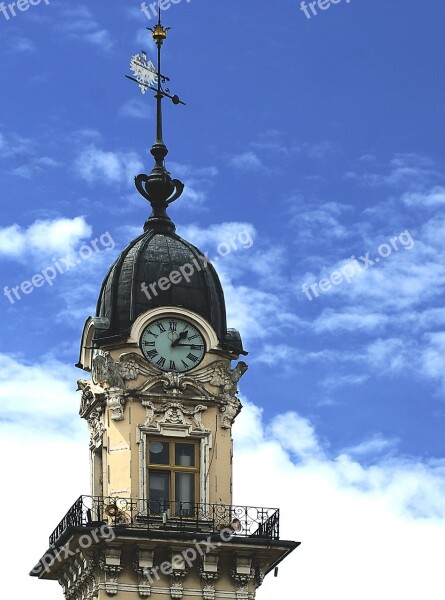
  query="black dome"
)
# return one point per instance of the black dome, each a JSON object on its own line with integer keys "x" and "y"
{"x": 154, "y": 255}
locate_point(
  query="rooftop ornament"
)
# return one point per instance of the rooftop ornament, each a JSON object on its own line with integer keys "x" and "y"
{"x": 158, "y": 187}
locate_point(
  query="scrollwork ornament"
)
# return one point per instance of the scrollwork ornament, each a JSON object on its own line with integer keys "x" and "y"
{"x": 116, "y": 403}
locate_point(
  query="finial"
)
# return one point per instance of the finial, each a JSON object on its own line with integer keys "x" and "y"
{"x": 158, "y": 187}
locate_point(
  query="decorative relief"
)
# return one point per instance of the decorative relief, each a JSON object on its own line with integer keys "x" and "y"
{"x": 110, "y": 379}
{"x": 175, "y": 414}
{"x": 260, "y": 572}
{"x": 208, "y": 587}
{"x": 78, "y": 580}
{"x": 96, "y": 428}
{"x": 230, "y": 409}
{"x": 243, "y": 573}
{"x": 209, "y": 572}
{"x": 143, "y": 565}
{"x": 110, "y": 563}
{"x": 116, "y": 404}
{"x": 106, "y": 373}
{"x": 177, "y": 585}
{"x": 92, "y": 397}
{"x": 179, "y": 571}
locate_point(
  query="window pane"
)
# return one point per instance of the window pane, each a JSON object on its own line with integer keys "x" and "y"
{"x": 159, "y": 454}
{"x": 185, "y": 493}
{"x": 185, "y": 455}
{"x": 159, "y": 491}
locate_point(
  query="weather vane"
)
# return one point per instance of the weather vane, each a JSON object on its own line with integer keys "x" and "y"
{"x": 158, "y": 187}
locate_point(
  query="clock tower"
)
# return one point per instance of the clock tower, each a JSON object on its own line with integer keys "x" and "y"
{"x": 160, "y": 400}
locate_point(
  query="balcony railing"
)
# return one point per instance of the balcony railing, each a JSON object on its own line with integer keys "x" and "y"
{"x": 155, "y": 515}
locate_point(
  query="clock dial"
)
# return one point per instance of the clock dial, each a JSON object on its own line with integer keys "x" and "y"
{"x": 172, "y": 344}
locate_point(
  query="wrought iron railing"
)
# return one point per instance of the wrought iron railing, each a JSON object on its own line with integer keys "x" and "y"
{"x": 243, "y": 521}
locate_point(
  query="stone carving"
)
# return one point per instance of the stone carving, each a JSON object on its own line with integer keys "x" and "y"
{"x": 243, "y": 573}
{"x": 149, "y": 412}
{"x": 78, "y": 580}
{"x": 144, "y": 574}
{"x": 111, "y": 575}
{"x": 93, "y": 401}
{"x": 96, "y": 428}
{"x": 177, "y": 586}
{"x": 110, "y": 377}
{"x": 116, "y": 404}
{"x": 106, "y": 372}
{"x": 174, "y": 413}
{"x": 143, "y": 565}
{"x": 111, "y": 374}
{"x": 209, "y": 573}
{"x": 226, "y": 378}
{"x": 230, "y": 409}
{"x": 92, "y": 396}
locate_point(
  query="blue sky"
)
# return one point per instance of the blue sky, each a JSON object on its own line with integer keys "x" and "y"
{"x": 321, "y": 139}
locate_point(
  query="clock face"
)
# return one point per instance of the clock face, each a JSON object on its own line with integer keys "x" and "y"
{"x": 172, "y": 344}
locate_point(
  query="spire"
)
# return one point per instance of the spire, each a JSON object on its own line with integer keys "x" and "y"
{"x": 158, "y": 187}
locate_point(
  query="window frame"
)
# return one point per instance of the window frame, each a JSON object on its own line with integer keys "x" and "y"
{"x": 172, "y": 468}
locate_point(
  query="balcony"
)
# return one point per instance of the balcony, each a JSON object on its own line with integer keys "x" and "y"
{"x": 182, "y": 517}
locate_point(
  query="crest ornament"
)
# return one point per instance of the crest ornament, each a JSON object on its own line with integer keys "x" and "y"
{"x": 144, "y": 71}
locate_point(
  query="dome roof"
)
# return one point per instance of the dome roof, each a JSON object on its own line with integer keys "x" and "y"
{"x": 131, "y": 286}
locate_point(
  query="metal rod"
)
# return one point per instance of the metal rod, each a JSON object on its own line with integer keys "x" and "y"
{"x": 159, "y": 97}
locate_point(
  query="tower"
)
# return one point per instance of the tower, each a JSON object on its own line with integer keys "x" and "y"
{"x": 160, "y": 401}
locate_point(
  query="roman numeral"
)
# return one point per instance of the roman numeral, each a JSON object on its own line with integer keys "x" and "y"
{"x": 161, "y": 327}
{"x": 185, "y": 364}
{"x": 172, "y": 365}
{"x": 149, "y": 343}
{"x": 152, "y": 353}
{"x": 193, "y": 337}
{"x": 197, "y": 346}
{"x": 161, "y": 362}
{"x": 173, "y": 325}
{"x": 151, "y": 333}
{"x": 192, "y": 357}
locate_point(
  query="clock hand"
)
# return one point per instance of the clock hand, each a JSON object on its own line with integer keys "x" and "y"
{"x": 191, "y": 345}
{"x": 180, "y": 337}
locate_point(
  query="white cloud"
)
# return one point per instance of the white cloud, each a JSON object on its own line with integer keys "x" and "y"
{"x": 405, "y": 170}
{"x": 145, "y": 40}
{"x": 372, "y": 446}
{"x": 433, "y": 357}
{"x": 136, "y": 108}
{"x": 247, "y": 161}
{"x": 78, "y": 23}
{"x": 94, "y": 164}
{"x": 44, "y": 238}
{"x": 198, "y": 180}
{"x": 209, "y": 238}
{"x": 47, "y": 395}
{"x": 388, "y": 355}
{"x": 337, "y": 380}
{"x": 349, "y": 320}
{"x": 432, "y": 198}
{"x": 22, "y": 44}
{"x": 356, "y": 522}
{"x": 316, "y": 224}
{"x": 24, "y": 155}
